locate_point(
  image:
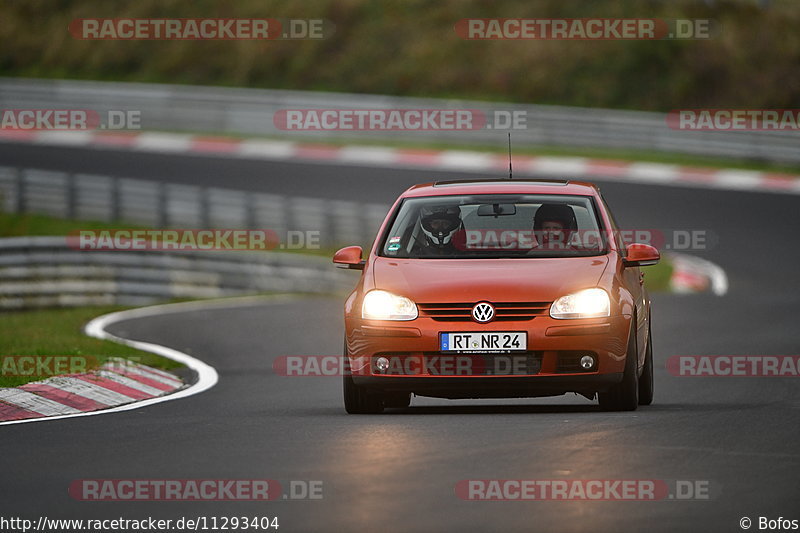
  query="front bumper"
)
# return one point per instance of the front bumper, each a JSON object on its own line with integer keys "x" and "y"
{"x": 491, "y": 387}
{"x": 542, "y": 370}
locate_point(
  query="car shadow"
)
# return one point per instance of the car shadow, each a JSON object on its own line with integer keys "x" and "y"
{"x": 493, "y": 409}
{"x": 592, "y": 408}
{"x": 527, "y": 409}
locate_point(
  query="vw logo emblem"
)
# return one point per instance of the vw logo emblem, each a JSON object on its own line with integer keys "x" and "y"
{"x": 483, "y": 312}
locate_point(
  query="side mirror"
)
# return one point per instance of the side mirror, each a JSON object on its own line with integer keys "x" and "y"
{"x": 349, "y": 257}
{"x": 641, "y": 255}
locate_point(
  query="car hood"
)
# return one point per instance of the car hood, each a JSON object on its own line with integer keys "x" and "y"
{"x": 499, "y": 280}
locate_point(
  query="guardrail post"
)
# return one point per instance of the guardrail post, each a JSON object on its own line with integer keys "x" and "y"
{"x": 328, "y": 234}
{"x": 250, "y": 211}
{"x": 21, "y": 191}
{"x": 205, "y": 208}
{"x": 163, "y": 203}
{"x": 115, "y": 199}
{"x": 71, "y": 185}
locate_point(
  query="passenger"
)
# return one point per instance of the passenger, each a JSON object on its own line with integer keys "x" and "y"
{"x": 554, "y": 226}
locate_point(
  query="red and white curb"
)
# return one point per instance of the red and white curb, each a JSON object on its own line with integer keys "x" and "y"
{"x": 692, "y": 274}
{"x": 117, "y": 382}
{"x": 450, "y": 160}
{"x": 206, "y": 375}
{"x": 103, "y": 393}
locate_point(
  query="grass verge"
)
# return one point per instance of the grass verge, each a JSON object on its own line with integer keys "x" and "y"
{"x": 33, "y": 225}
{"x": 59, "y": 332}
{"x": 656, "y": 277}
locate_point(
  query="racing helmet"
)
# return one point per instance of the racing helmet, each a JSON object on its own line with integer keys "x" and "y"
{"x": 440, "y": 223}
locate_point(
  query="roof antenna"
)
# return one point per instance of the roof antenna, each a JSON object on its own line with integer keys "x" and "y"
{"x": 510, "y": 175}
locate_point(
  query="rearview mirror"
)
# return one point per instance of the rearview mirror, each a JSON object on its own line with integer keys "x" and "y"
{"x": 496, "y": 210}
{"x": 349, "y": 257}
{"x": 641, "y": 255}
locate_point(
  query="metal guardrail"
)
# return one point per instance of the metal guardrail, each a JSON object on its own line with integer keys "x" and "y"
{"x": 251, "y": 111}
{"x": 45, "y": 272}
{"x": 166, "y": 205}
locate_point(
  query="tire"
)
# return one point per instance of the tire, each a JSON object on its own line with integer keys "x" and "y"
{"x": 357, "y": 401}
{"x": 646, "y": 379}
{"x": 624, "y": 396}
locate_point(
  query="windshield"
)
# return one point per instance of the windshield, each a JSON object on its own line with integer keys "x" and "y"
{"x": 496, "y": 225}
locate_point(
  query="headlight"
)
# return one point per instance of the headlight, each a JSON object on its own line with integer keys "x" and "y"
{"x": 382, "y": 305}
{"x": 588, "y": 303}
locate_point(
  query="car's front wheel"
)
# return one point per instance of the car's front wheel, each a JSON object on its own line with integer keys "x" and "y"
{"x": 357, "y": 401}
{"x": 625, "y": 395}
{"x": 646, "y": 379}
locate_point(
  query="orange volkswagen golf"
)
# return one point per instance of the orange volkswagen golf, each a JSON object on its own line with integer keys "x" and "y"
{"x": 498, "y": 289}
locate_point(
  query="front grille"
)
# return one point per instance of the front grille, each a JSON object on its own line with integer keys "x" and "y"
{"x": 462, "y": 312}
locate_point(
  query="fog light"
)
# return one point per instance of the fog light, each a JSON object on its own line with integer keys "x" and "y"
{"x": 382, "y": 364}
{"x": 587, "y": 362}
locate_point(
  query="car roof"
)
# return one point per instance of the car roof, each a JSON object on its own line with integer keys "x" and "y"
{"x": 502, "y": 186}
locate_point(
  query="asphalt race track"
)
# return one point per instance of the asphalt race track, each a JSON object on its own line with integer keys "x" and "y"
{"x": 398, "y": 471}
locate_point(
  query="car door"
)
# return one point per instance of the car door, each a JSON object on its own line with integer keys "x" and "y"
{"x": 633, "y": 280}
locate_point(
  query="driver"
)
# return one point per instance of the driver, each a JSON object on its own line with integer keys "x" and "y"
{"x": 554, "y": 225}
{"x": 439, "y": 224}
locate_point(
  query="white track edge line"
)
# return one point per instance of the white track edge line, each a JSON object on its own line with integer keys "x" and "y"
{"x": 207, "y": 375}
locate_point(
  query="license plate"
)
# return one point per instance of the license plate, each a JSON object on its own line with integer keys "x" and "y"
{"x": 494, "y": 341}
